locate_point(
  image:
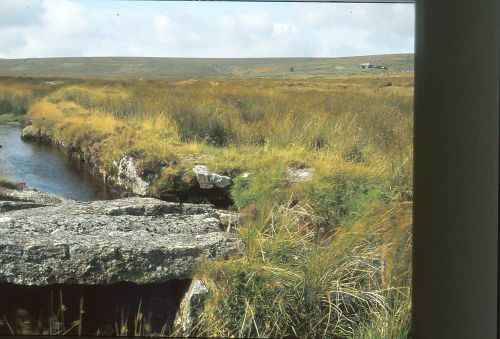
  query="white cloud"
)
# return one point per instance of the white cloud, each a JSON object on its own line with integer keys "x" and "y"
{"x": 365, "y": 28}
{"x": 284, "y": 29}
{"x": 163, "y": 30}
{"x": 255, "y": 21}
{"x": 71, "y": 28}
{"x": 65, "y": 17}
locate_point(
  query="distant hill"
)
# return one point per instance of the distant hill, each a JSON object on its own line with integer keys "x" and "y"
{"x": 112, "y": 67}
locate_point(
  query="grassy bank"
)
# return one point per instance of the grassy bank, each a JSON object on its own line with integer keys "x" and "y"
{"x": 17, "y": 95}
{"x": 326, "y": 257}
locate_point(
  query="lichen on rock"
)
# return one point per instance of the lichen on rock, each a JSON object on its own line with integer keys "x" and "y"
{"x": 30, "y": 132}
{"x": 191, "y": 307}
{"x": 208, "y": 180}
{"x": 128, "y": 177}
{"x": 299, "y": 174}
{"x": 140, "y": 240}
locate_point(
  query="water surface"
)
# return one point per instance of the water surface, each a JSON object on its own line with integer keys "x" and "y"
{"x": 45, "y": 168}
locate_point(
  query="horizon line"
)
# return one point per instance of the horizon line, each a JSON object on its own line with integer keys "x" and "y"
{"x": 221, "y": 58}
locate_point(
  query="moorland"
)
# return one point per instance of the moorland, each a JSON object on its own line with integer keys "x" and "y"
{"x": 320, "y": 154}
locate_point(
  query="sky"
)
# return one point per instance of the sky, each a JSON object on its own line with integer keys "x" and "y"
{"x": 75, "y": 28}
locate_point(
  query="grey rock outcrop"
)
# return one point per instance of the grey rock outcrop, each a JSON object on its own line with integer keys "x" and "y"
{"x": 30, "y": 132}
{"x": 141, "y": 240}
{"x": 16, "y": 199}
{"x": 208, "y": 180}
{"x": 299, "y": 174}
{"x": 128, "y": 178}
{"x": 190, "y": 308}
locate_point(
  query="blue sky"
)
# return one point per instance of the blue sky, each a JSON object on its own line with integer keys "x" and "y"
{"x": 58, "y": 28}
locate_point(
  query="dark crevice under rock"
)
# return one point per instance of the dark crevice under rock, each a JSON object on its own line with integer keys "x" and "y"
{"x": 28, "y": 308}
{"x": 220, "y": 198}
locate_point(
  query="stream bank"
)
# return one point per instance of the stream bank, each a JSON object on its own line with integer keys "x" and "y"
{"x": 128, "y": 178}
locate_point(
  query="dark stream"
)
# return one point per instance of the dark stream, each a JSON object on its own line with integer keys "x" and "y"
{"x": 45, "y": 168}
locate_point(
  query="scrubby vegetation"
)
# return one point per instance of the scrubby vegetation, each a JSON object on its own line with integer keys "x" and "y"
{"x": 18, "y": 94}
{"x": 329, "y": 257}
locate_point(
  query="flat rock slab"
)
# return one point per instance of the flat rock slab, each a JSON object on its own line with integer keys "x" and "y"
{"x": 141, "y": 240}
{"x": 30, "y": 196}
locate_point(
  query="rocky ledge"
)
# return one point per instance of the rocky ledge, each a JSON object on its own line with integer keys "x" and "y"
{"x": 140, "y": 240}
{"x": 12, "y": 199}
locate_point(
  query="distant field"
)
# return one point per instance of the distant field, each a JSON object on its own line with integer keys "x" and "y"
{"x": 113, "y": 67}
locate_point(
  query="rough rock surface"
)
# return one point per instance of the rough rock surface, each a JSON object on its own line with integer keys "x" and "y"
{"x": 12, "y": 199}
{"x": 30, "y": 132}
{"x": 127, "y": 177}
{"x": 208, "y": 180}
{"x": 141, "y": 240}
{"x": 299, "y": 174}
{"x": 190, "y": 308}
{"x": 230, "y": 220}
